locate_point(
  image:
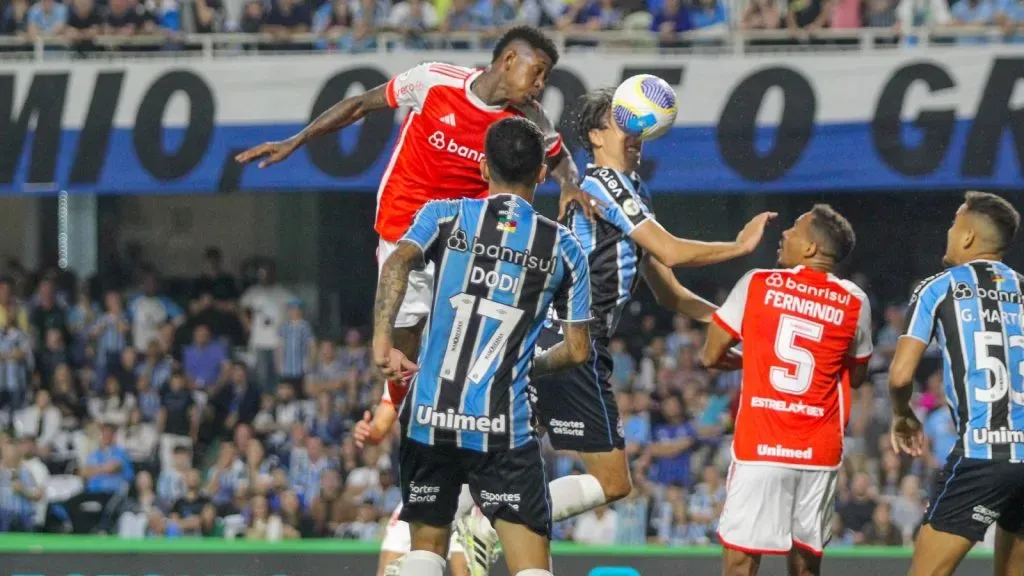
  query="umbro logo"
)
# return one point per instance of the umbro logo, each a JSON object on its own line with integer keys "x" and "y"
{"x": 448, "y": 119}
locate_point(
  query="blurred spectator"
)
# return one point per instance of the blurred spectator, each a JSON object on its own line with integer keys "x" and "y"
{"x": 637, "y": 423}
{"x": 48, "y": 313}
{"x": 858, "y": 510}
{"x": 597, "y": 527}
{"x": 46, "y": 19}
{"x": 140, "y": 439}
{"x": 327, "y": 423}
{"x": 330, "y": 373}
{"x": 333, "y": 23}
{"x": 806, "y": 16}
{"x": 235, "y": 402}
{"x": 171, "y": 485}
{"x": 204, "y": 359}
{"x": 365, "y": 528}
{"x": 214, "y": 280}
{"x": 673, "y": 444}
{"x": 761, "y": 15}
{"x": 193, "y": 511}
{"x": 113, "y": 404}
{"x": 908, "y": 507}
{"x": 974, "y": 12}
{"x": 709, "y": 15}
{"x": 328, "y": 508}
{"x": 262, "y": 524}
{"x": 297, "y": 346}
{"x": 881, "y": 531}
{"x": 19, "y": 491}
{"x": 354, "y": 359}
{"x": 460, "y": 18}
{"x": 623, "y": 366}
{"x": 13, "y": 22}
{"x": 1010, "y": 16}
{"x": 54, "y": 354}
{"x": 108, "y": 474}
{"x": 911, "y": 14}
{"x": 263, "y": 313}
{"x": 369, "y": 17}
{"x": 110, "y": 331}
{"x": 16, "y": 363}
{"x": 208, "y": 17}
{"x": 539, "y": 13}
{"x": 495, "y": 16}
{"x": 413, "y": 18}
{"x": 218, "y": 317}
{"x": 881, "y": 14}
{"x": 707, "y": 500}
{"x": 150, "y": 310}
{"x": 286, "y": 18}
{"x": 41, "y": 421}
{"x": 253, "y": 17}
{"x": 155, "y": 369}
{"x": 120, "y": 19}
{"x": 178, "y": 420}
{"x": 11, "y": 309}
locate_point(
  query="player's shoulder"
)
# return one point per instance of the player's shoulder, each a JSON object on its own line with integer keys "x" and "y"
{"x": 440, "y": 74}
{"x": 851, "y": 288}
{"x": 607, "y": 179}
{"x": 531, "y": 110}
{"x": 936, "y": 282}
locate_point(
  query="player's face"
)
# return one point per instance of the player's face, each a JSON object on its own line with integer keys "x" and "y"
{"x": 616, "y": 147}
{"x": 957, "y": 238}
{"x": 526, "y": 72}
{"x": 794, "y": 243}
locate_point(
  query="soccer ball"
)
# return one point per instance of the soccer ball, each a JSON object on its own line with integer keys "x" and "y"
{"x": 644, "y": 106}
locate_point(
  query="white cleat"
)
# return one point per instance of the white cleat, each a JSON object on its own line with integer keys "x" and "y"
{"x": 394, "y": 568}
{"x": 479, "y": 540}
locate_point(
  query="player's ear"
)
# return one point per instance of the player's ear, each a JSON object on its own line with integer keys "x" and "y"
{"x": 810, "y": 249}
{"x": 542, "y": 174}
{"x": 596, "y": 139}
{"x": 485, "y": 171}
{"x": 969, "y": 238}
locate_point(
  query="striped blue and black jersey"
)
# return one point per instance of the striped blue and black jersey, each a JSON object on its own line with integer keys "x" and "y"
{"x": 499, "y": 267}
{"x": 613, "y": 256}
{"x": 974, "y": 311}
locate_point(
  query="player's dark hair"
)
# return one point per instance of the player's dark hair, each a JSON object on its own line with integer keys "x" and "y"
{"x": 1001, "y": 214}
{"x": 834, "y": 232}
{"x": 592, "y": 114}
{"x": 532, "y": 36}
{"x": 515, "y": 151}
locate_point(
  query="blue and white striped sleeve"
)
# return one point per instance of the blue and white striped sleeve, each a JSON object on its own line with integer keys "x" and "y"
{"x": 572, "y": 301}
{"x": 427, "y": 224}
{"x": 623, "y": 206}
{"x": 924, "y": 303}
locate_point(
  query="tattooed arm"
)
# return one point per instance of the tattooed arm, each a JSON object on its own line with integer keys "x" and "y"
{"x": 344, "y": 113}
{"x": 572, "y": 351}
{"x": 394, "y": 278}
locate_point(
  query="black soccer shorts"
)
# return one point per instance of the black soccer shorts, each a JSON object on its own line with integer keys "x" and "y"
{"x": 506, "y": 484}
{"x": 577, "y": 407}
{"x": 970, "y": 494}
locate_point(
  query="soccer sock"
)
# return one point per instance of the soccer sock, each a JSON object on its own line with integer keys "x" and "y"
{"x": 465, "y": 502}
{"x": 422, "y": 563}
{"x": 572, "y": 495}
{"x": 534, "y": 572}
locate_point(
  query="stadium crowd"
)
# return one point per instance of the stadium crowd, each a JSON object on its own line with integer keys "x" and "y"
{"x": 351, "y": 25}
{"x": 216, "y": 409}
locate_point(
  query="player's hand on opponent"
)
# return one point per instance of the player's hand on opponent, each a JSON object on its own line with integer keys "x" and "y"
{"x": 392, "y": 364}
{"x": 587, "y": 203}
{"x": 270, "y": 152}
{"x": 751, "y": 235}
{"x": 907, "y": 435}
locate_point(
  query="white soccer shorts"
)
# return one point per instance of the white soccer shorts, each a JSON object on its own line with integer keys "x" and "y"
{"x": 418, "y": 294}
{"x": 770, "y": 509}
{"x": 398, "y": 537}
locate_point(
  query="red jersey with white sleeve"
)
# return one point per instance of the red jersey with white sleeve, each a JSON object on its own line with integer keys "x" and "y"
{"x": 441, "y": 142}
{"x": 802, "y": 330}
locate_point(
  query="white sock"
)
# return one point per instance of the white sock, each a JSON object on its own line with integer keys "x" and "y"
{"x": 422, "y": 563}
{"x": 534, "y": 572}
{"x": 572, "y": 495}
{"x": 466, "y": 502}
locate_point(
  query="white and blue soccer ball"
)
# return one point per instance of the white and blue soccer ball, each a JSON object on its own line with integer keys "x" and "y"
{"x": 644, "y": 106}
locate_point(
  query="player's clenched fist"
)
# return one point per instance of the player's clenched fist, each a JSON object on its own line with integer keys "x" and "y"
{"x": 751, "y": 235}
{"x": 270, "y": 152}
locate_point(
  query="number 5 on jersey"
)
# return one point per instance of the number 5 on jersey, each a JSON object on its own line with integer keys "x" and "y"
{"x": 797, "y": 377}
{"x": 983, "y": 342}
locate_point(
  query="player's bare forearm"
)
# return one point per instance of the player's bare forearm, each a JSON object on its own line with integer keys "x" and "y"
{"x": 563, "y": 170}
{"x": 572, "y": 351}
{"x": 901, "y": 373}
{"x": 673, "y": 295}
{"x": 716, "y": 347}
{"x": 394, "y": 278}
{"x": 344, "y": 113}
{"x": 671, "y": 251}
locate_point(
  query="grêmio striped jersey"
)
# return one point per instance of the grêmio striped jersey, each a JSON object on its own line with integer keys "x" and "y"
{"x": 974, "y": 312}
{"x": 499, "y": 267}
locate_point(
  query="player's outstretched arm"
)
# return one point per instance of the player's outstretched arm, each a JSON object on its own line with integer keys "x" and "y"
{"x": 572, "y": 351}
{"x": 673, "y": 295}
{"x": 342, "y": 114}
{"x": 394, "y": 278}
{"x": 673, "y": 251}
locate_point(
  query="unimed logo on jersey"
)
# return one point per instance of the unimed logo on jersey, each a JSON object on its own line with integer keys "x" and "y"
{"x": 780, "y": 451}
{"x": 441, "y": 142}
{"x": 452, "y": 420}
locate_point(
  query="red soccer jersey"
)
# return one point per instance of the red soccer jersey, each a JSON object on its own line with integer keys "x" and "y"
{"x": 801, "y": 331}
{"x": 441, "y": 142}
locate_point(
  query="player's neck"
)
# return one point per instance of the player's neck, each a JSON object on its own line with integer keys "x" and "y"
{"x": 991, "y": 256}
{"x": 819, "y": 265}
{"x": 605, "y": 161}
{"x": 520, "y": 191}
{"x": 487, "y": 87}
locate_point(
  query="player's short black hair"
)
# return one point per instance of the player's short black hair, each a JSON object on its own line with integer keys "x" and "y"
{"x": 532, "y": 36}
{"x": 592, "y": 114}
{"x": 515, "y": 151}
{"x": 1001, "y": 214}
{"x": 833, "y": 232}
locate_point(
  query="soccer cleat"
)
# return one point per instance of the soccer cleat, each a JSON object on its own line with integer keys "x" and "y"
{"x": 479, "y": 540}
{"x": 394, "y": 568}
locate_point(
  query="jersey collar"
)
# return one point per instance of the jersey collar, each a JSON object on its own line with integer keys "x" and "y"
{"x": 474, "y": 99}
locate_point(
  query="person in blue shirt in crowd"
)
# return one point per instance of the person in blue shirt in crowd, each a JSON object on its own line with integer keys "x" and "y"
{"x": 708, "y": 14}
{"x": 669, "y": 22}
{"x": 108, "y": 475}
{"x": 973, "y": 13}
{"x": 673, "y": 444}
{"x": 296, "y": 346}
{"x": 1010, "y": 16}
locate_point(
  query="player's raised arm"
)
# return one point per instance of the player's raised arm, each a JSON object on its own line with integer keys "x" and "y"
{"x": 674, "y": 251}
{"x": 671, "y": 294}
